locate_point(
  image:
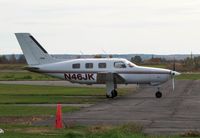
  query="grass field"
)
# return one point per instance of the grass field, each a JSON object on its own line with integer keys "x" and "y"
{"x": 156, "y": 66}
{"x": 12, "y": 66}
{"x": 23, "y": 75}
{"x": 123, "y": 131}
{"x": 72, "y": 131}
{"x": 16, "y": 120}
{"x": 12, "y": 95}
{"x": 189, "y": 76}
{"x": 31, "y": 90}
{"x": 103, "y": 131}
{"x": 20, "y": 111}
{"x": 27, "y": 94}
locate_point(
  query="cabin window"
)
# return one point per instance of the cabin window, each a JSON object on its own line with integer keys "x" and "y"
{"x": 102, "y": 65}
{"x": 89, "y": 65}
{"x": 119, "y": 64}
{"x": 76, "y": 66}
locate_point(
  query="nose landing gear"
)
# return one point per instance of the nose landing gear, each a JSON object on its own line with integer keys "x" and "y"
{"x": 158, "y": 93}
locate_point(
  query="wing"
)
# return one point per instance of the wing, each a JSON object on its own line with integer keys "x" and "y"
{"x": 102, "y": 78}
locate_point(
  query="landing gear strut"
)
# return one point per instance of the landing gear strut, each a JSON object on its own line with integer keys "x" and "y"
{"x": 111, "y": 85}
{"x": 158, "y": 93}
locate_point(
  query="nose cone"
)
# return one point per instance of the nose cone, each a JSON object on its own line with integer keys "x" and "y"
{"x": 175, "y": 73}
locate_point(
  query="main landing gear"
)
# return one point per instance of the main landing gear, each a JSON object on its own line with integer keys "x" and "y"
{"x": 158, "y": 93}
{"x": 113, "y": 94}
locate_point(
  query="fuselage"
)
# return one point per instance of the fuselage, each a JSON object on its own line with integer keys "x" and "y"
{"x": 90, "y": 71}
{"x": 108, "y": 71}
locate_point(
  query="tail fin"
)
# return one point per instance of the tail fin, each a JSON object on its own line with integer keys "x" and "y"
{"x": 34, "y": 53}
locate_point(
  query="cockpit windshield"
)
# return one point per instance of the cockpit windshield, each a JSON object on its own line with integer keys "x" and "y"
{"x": 130, "y": 64}
{"x": 124, "y": 64}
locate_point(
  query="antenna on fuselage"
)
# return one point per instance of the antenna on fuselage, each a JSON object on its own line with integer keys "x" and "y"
{"x": 81, "y": 54}
{"x": 107, "y": 55}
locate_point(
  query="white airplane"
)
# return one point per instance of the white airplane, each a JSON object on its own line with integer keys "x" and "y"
{"x": 109, "y": 71}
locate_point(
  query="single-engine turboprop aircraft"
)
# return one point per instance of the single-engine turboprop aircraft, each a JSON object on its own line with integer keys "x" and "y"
{"x": 108, "y": 71}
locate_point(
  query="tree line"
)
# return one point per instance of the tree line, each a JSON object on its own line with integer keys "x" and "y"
{"x": 12, "y": 59}
{"x": 189, "y": 64}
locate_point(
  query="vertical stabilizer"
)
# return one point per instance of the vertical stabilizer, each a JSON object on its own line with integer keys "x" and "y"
{"x": 34, "y": 53}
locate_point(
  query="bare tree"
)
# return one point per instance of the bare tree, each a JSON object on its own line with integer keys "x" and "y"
{"x": 136, "y": 59}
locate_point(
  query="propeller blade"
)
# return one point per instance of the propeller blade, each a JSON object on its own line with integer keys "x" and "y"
{"x": 174, "y": 65}
{"x": 173, "y": 83}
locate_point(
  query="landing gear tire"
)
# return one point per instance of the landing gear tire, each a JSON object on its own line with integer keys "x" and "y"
{"x": 113, "y": 94}
{"x": 158, "y": 94}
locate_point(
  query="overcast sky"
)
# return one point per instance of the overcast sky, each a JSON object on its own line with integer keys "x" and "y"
{"x": 94, "y": 26}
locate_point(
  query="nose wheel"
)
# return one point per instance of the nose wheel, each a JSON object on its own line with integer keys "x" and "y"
{"x": 158, "y": 94}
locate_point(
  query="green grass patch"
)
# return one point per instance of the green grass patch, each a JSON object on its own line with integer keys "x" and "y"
{"x": 14, "y": 110}
{"x": 189, "y": 76}
{"x": 31, "y": 90}
{"x": 12, "y": 89}
{"x": 23, "y": 76}
{"x": 28, "y": 94}
{"x": 157, "y": 66}
{"x": 12, "y": 66}
{"x": 104, "y": 131}
{"x": 7, "y": 99}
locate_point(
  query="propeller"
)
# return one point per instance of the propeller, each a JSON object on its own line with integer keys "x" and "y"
{"x": 173, "y": 74}
{"x": 173, "y": 83}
